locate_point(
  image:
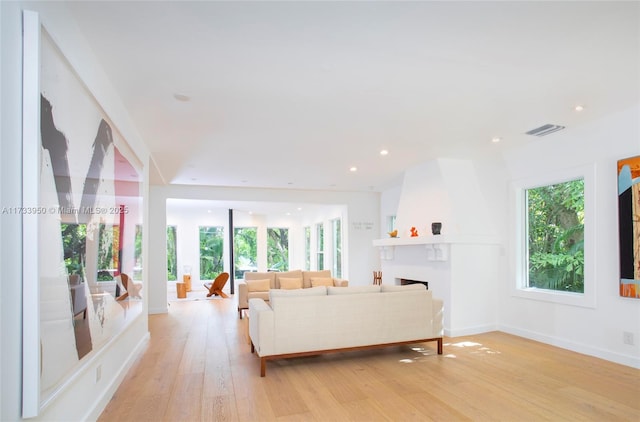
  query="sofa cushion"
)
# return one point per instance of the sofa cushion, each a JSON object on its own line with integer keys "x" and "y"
{"x": 407, "y": 287}
{"x": 287, "y": 283}
{"x": 353, "y": 290}
{"x": 321, "y": 281}
{"x": 252, "y": 275}
{"x": 287, "y": 274}
{"x": 258, "y": 285}
{"x": 275, "y": 294}
{"x": 308, "y": 275}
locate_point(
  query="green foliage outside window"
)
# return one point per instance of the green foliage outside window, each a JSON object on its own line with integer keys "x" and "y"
{"x": 307, "y": 248}
{"x": 172, "y": 255}
{"x": 278, "y": 249}
{"x": 137, "y": 269}
{"x": 556, "y": 236}
{"x": 108, "y": 238}
{"x": 245, "y": 250}
{"x": 211, "y": 252}
{"x": 319, "y": 247}
{"x": 74, "y": 244}
{"x": 336, "y": 226}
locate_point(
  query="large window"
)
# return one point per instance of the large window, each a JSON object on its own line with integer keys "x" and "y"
{"x": 74, "y": 242}
{"x": 245, "y": 250}
{"x": 554, "y": 249}
{"x": 307, "y": 248}
{"x": 319, "y": 246}
{"x": 172, "y": 254}
{"x": 555, "y": 232}
{"x": 336, "y": 228}
{"x": 211, "y": 252}
{"x": 278, "y": 249}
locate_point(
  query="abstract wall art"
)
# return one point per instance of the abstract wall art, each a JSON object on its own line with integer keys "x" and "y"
{"x": 82, "y": 229}
{"x": 629, "y": 226}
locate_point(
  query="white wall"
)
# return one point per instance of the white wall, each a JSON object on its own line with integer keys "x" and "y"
{"x": 389, "y": 200}
{"x": 594, "y": 331}
{"x": 360, "y": 227}
{"x": 445, "y": 191}
{"x": 82, "y": 398}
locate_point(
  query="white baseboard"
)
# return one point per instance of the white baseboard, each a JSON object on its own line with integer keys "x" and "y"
{"x": 627, "y": 360}
{"x": 468, "y": 331}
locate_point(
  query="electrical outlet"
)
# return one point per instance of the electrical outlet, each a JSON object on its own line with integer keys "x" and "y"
{"x": 627, "y": 338}
{"x": 98, "y": 373}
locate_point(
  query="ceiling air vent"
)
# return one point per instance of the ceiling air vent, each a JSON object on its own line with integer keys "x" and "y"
{"x": 545, "y": 130}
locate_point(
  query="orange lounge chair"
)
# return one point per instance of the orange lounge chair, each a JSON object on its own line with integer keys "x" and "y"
{"x": 215, "y": 288}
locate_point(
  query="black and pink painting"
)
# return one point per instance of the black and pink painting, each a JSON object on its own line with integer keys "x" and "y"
{"x": 89, "y": 224}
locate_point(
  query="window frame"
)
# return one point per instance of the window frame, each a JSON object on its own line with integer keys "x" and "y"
{"x": 307, "y": 247}
{"x": 336, "y": 244}
{"x": 320, "y": 243}
{"x": 391, "y": 223}
{"x": 520, "y": 251}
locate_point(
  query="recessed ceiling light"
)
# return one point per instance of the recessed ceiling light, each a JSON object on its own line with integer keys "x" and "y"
{"x": 496, "y": 139}
{"x": 384, "y": 152}
{"x": 288, "y": 213}
{"x": 299, "y": 208}
{"x": 181, "y": 97}
{"x": 209, "y": 211}
{"x": 579, "y": 107}
{"x": 353, "y": 169}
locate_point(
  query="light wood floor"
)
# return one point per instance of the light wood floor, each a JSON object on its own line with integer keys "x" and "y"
{"x": 198, "y": 367}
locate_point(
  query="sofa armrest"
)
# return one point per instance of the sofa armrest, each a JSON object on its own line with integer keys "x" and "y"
{"x": 437, "y": 308}
{"x": 261, "y": 327}
{"x": 337, "y": 282}
{"x": 243, "y": 295}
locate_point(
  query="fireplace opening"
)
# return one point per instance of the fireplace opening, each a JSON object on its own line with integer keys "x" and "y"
{"x": 405, "y": 281}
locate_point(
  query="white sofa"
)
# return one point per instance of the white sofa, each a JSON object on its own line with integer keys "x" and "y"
{"x": 258, "y": 284}
{"x": 330, "y": 319}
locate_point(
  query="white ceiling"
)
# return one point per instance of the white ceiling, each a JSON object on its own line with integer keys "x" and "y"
{"x": 291, "y": 94}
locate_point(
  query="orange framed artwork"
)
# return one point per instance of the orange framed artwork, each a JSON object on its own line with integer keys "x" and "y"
{"x": 629, "y": 226}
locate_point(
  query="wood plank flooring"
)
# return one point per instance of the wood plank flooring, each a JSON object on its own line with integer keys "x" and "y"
{"x": 198, "y": 367}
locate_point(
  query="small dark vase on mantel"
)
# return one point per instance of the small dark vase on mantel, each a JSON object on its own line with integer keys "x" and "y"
{"x": 435, "y": 228}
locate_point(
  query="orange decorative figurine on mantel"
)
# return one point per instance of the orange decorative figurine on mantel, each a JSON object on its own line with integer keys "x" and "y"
{"x": 414, "y": 232}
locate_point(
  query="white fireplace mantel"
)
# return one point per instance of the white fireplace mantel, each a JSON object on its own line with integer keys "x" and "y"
{"x": 437, "y": 246}
{"x": 431, "y": 240}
